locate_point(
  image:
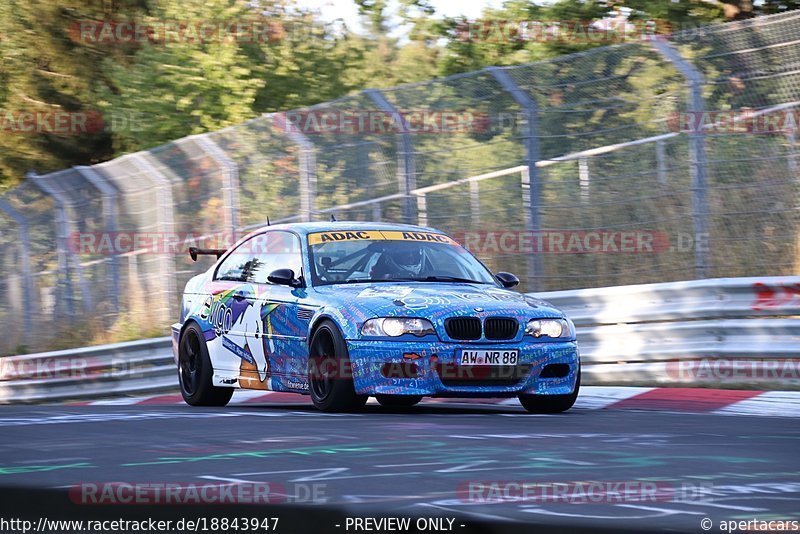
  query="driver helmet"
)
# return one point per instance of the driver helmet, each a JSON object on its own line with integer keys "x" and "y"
{"x": 405, "y": 260}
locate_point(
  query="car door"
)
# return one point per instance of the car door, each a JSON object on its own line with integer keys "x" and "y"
{"x": 233, "y": 311}
{"x": 282, "y": 335}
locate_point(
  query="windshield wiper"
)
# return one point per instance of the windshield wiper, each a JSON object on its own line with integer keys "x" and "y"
{"x": 353, "y": 281}
{"x": 454, "y": 279}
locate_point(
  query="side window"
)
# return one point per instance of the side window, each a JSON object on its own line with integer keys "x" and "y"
{"x": 235, "y": 265}
{"x": 257, "y": 257}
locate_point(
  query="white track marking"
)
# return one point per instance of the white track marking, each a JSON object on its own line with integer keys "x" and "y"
{"x": 231, "y": 480}
{"x": 725, "y": 506}
{"x": 124, "y": 401}
{"x": 409, "y": 465}
{"x": 243, "y": 395}
{"x": 599, "y": 397}
{"x": 780, "y": 403}
{"x": 466, "y": 467}
{"x": 468, "y": 512}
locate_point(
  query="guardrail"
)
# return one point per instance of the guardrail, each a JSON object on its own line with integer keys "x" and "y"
{"x": 135, "y": 367}
{"x": 696, "y": 299}
{"x": 726, "y": 332}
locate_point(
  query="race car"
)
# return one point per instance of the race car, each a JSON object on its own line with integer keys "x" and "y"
{"x": 342, "y": 311}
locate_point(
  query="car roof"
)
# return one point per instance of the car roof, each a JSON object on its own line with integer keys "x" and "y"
{"x": 305, "y": 228}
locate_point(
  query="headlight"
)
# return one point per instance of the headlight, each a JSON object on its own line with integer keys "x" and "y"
{"x": 554, "y": 328}
{"x": 396, "y": 326}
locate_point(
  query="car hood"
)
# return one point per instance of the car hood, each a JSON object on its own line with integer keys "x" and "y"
{"x": 435, "y": 300}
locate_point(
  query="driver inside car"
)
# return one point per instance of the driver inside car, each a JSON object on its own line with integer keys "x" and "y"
{"x": 399, "y": 261}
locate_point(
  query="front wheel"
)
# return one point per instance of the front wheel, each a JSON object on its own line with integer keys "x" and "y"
{"x": 330, "y": 380}
{"x": 195, "y": 372}
{"x": 551, "y": 403}
{"x": 398, "y": 401}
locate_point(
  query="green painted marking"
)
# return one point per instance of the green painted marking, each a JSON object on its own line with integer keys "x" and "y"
{"x": 9, "y": 470}
{"x": 374, "y": 450}
{"x": 649, "y": 461}
{"x": 760, "y": 437}
{"x": 555, "y": 462}
{"x": 254, "y": 454}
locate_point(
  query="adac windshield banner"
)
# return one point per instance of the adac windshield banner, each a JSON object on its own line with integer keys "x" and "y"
{"x": 321, "y": 238}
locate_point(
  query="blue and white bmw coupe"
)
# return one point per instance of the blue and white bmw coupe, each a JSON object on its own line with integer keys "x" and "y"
{"x": 346, "y": 310}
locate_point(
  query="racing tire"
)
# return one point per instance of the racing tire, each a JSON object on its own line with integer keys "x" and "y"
{"x": 398, "y": 401}
{"x": 330, "y": 380}
{"x": 195, "y": 372}
{"x": 551, "y": 403}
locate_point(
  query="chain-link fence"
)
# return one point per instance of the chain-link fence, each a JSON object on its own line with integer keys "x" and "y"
{"x": 657, "y": 160}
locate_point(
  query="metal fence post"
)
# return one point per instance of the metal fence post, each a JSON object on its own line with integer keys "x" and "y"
{"x": 307, "y": 162}
{"x": 532, "y": 200}
{"x": 697, "y": 155}
{"x": 583, "y": 179}
{"x": 475, "y": 202}
{"x": 110, "y": 214}
{"x": 62, "y": 246}
{"x": 406, "y": 176}
{"x": 231, "y": 187}
{"x": 165, "y": 208}
{"x": 25, "y": 268}
{"x": 308, "y": 175}
{"x": 794, "y": 167}
{"x": 661, "y": 161}
{"x": 422, "y": 210}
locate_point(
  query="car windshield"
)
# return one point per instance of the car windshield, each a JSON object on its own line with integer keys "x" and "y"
{"x": 344, "y": 257}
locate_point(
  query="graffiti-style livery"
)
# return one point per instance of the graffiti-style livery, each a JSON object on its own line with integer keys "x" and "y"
{"x": 342, "y": 311}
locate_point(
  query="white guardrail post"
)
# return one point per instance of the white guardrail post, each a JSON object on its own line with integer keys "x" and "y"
{"x": 724, "y": 332}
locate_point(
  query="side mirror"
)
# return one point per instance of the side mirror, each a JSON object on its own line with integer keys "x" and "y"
{"x": 507, "y": 280}
{"x": 284, "y": 277}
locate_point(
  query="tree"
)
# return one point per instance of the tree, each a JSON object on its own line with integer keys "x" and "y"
{"x": 47, "y": 71}
{"x": 184, "y": 84}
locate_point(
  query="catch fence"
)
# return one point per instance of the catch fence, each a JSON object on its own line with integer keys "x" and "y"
{"x": 651, "y": 161}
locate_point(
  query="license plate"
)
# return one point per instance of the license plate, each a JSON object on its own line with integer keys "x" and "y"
{"x": 488, "y": 357}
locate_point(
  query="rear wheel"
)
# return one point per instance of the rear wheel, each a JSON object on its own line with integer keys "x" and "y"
{"x": 551, "y": 403}
{"x": 195, "y": 371}
{"x": 398, "y": 401}
{"x": 330, "y": 380}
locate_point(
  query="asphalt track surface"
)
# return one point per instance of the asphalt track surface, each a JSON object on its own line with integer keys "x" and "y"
{"x": 417, "y": 462}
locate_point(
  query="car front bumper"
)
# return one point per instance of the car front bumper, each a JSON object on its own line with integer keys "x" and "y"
{"x": 439, "y": 374}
